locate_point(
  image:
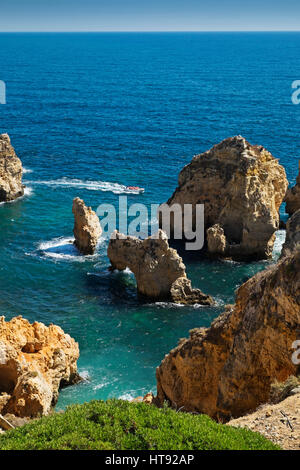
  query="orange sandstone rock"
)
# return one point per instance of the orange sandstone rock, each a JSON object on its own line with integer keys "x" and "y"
{"x": 10, "y": 171}
{"x": 35, "y": 361}
{"x": 227, "y": 370}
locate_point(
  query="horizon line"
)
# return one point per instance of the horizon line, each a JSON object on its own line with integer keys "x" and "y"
{"x": 155, "y": 31}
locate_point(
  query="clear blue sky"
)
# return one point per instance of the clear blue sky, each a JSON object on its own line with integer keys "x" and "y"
{"x": 149, "y": 15}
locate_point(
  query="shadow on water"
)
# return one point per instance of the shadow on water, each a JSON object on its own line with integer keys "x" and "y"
{"x": 119, "y": 287}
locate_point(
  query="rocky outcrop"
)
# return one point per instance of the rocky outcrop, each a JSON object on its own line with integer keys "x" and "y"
{"x": 292, "y": 197}
{"x": 10, "y": 171}
{"x": 280, "y": 423}
{"x": 87, "y": 228}
{"x": 35, "y": 361}
{"x": 158, "y": 269}
{"x": 242, "y": 187}
{"x": 216, "y": 240}
{"x": 292, "y": 241}
{"x": 227, "y": 370}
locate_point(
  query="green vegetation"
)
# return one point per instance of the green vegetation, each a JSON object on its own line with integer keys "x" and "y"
{"x": 120, "y": 425}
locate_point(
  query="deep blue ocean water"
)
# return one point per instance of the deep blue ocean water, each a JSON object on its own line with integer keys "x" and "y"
{"x": 88, "y": 113}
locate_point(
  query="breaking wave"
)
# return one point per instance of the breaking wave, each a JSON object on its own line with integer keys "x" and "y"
{"x": 62, "y": 248}
{"x": 27, "y": 192}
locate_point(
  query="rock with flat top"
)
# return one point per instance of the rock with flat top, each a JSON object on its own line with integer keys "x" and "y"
{"x": 242, "y": 187}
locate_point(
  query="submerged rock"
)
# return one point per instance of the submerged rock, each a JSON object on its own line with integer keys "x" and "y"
{"x": 35, "y": 361}
{"x": 87, "y": 228}
{"x": 292, "y": 241}
{"x": 242, "y": 187}
{"x": 11, "y": 186}
{"x": 227, "y": 370}
{"x": 182, "y": 293}
{"x": 158, "y": 269}
{"x": 292, "y": 197}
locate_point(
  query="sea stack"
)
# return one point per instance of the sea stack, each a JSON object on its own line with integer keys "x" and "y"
{"x": 292, "y": 197}
{"x": 227, "y": 370}
{"x": 11, "y": 186}
{"x": 159, "y": 270}
{"x": 242, "y": 187}
{"x": 35, "y": 361}
{"x": 87, "y": 228}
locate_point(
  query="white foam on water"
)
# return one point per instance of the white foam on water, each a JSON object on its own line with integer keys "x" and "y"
{"x": 60, "y": 248}
{"x": 28, "y": 191}
{"x": 175, "y": 305}
{"x": 218, "y": 302}
{"x": 26, "y": 171}
{"x": 279, "y": 241}
{"x": 127, "y": 397}
{"x": 102, "y": 385}
{"x": 55, "y": 242}
{"x": 105, "y": 186}
{"x": 166, "y": 305}
{"x": 63, "y": 248}
{"x": 132, "y": 394}
{"x": 84, "y": 374}
{"x": 127, "y": 271}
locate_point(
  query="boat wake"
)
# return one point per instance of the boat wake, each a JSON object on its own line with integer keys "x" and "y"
{"x": 104, "y": 186}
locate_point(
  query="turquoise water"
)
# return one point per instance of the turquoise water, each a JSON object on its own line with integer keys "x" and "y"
{"x": 88, "y": 113}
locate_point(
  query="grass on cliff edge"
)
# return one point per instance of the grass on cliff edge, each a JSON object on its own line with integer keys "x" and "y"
{"x": 120, "y": 425}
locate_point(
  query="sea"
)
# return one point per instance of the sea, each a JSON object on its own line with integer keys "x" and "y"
{"x": 92, "y": 113}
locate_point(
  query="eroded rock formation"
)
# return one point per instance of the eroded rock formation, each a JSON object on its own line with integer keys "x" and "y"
{"x": 35, "y": 361}
{"x": 158, "y": 269}
{"x": 242, "y": 187}
{"x": 10, "y": 171}
{"x": 227, "y": 370}
{"x": 87, "y": 228}
{"x": 292, "y": 241}
{"x": 292, "y": 197}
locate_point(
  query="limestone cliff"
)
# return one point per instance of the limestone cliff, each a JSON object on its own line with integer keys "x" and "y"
{"x": 292, "y": 197}
{"x": 158, "y": 269}
{"x": 87, "y": 228}
{"x": 292, "y": 241}
{"x": 242, "y": 187}
{"x": 10, "y": 171}
{"x": 35, "y": 361}
{"x": 227, "y": 370}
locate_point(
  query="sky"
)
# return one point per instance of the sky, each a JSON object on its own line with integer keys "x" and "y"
{"x": 149, "y": 15}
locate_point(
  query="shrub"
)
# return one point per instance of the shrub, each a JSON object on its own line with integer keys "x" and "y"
{"x": 120, "y": 425}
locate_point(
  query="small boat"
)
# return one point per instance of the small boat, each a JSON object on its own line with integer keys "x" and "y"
{"x": 135, "y": 189}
